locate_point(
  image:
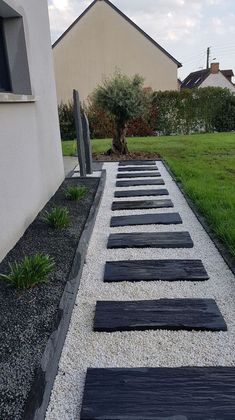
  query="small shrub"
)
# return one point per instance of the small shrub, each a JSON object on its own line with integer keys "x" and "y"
{"x": 67, "y": 121}
{"x": 75, "y": 193}
{"x": 57, "y": 218}
{"x": 30, "y": 271}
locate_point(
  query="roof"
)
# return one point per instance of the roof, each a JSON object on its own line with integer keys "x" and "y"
{"x": 195, "y": 79}
{"x": 127, "y": 19}
{"x": 227, "y": 73}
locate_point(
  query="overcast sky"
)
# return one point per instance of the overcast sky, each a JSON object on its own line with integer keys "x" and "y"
{"x": 185, "y": 28}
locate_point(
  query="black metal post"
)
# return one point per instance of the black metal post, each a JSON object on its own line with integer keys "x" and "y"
{"x": 79, "y": 131}
{"x": 87, "y": 143}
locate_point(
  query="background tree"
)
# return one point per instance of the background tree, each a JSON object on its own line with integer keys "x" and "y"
{"x": 125, "y": 99}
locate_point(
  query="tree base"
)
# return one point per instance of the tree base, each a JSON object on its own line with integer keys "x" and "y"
{"x": 113, "y": 152}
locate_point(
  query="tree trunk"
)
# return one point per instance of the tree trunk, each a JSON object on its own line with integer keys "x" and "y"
{"x": 119, "y": 139}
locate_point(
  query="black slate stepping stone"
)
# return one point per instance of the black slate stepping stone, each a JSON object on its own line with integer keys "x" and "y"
{"x": 146, "y": 219}
{"x": 136, "y": 162}
{"x": 150, "y": 240}
{"x": 138, "y": 168}
{"x": 141, "y": 204}
{"x": 163, "y": 314}
{"x": 139, "y": 182}
{"x": 185, "y": 393}
{"x": 153, "y": 270}
{"x": 141, "y": 193}
{"x": 139, "y": 175}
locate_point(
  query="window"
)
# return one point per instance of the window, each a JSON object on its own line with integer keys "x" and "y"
{"x": 5, "y": 85}
{"x": 14, "y": 68}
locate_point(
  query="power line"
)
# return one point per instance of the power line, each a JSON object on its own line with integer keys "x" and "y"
{"x": 223, "y": 45}
{"x": 195, "y": 58}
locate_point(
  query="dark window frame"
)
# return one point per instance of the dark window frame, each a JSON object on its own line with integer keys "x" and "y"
{"x": 16, "y": 58}
{"x": 5, "y": 80}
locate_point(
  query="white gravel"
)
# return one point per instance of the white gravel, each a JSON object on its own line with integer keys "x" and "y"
{"x": 95, "y": 174}
{"x": 84, "y": 348}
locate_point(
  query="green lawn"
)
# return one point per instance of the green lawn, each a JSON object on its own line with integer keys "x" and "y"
{"x": 204, "y": 164}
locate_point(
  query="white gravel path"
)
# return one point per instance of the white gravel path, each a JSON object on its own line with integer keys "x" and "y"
{"x": 84, "y": 349}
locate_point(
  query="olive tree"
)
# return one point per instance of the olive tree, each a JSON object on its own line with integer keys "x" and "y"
{"x": 125, "y": 99}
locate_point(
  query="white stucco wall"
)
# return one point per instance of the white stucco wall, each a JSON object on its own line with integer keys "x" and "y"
{"x": 102, "y": 42}
{"x": 31, "y": 164}
{"x": 218, "y": 80}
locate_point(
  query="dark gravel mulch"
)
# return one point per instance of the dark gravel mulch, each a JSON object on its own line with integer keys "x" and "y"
{"x": 27, "y": 318}
{"x": 129, "y": 156}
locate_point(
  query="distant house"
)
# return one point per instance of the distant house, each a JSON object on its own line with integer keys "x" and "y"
{"x": 31, "y": 165}
{"x": 212, "y": 77}
{"x": 102, "y": 40}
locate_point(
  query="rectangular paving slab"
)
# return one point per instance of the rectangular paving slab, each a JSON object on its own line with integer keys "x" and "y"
{"x": 139, "y": 182}
{"x": 137, "y": 162}
{"x": 138, "y": 168}
{"x": 150, "y": 240}
{"x": 153, "y": 270}
{"x": 163, "y": 314}
{"x": 139, "y": 175}
{"x": 146, "y": 219}
{"x": 141, "y": 204}
{"x": 141, "y": 193}
{"x": 184, "y": 393}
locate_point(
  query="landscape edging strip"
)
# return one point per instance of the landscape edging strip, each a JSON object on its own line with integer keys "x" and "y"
{"x": 39, "y": 396}
{"x": 227, "y": 257}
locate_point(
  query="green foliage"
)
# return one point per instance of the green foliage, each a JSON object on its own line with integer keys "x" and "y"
{"x": 67, "y": 121}
{"x": 75, "y": 193}
{"x": 57, "y": 218}
{"x": 123, "y": 98}
{"x": 30, "y": 271}
{"x": 225, "y": 120}
{"x": 195, "y": 110}
{"x": 102, "y": 123}
{"x": 139, "y": 112}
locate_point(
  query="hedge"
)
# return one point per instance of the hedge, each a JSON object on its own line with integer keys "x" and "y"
{"x": 195, "y": 110}
{"x": 171, "y": 112}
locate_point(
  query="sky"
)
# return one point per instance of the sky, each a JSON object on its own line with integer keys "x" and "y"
{"x": 185, "y": 28}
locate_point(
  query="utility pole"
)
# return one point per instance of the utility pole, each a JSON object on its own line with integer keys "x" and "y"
{"x": 208, "y": 52}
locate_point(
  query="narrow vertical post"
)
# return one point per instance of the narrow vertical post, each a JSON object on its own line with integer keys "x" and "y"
{"x": 80, "y": 141}
{"x": 208, "y": 51}
{"x": 87, "y": 143}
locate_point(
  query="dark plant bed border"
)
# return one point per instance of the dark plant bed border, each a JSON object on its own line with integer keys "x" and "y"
{"x": 228, "y": 258}
{"x": 39, "y": 396}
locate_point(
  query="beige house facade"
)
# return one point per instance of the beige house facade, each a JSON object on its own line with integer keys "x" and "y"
{"x": 31, "y": 164}
{"x": 103, "y": 40}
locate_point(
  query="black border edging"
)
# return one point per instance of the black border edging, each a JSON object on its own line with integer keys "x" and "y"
{"x": 230, "y": 261}
{"x": 39, "y": 396}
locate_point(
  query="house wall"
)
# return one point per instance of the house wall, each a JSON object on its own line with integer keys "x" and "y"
{"x": 31, "y": 165}
{"x": 218, "y": 80}
{"x": 101, "y": 42}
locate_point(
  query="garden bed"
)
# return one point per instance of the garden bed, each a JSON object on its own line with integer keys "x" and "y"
{"x": 130, "y": 156}
{"x": 29, "y": 317}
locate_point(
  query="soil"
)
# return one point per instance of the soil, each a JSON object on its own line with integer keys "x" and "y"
{"x": 28, "y": 317}
{"x": 130, "y": 156}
